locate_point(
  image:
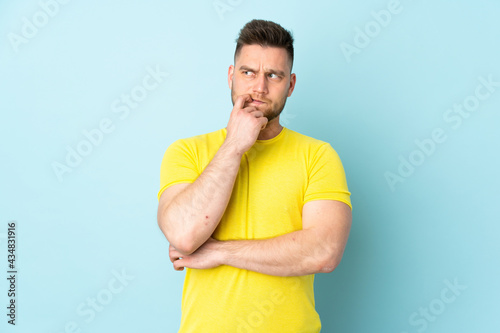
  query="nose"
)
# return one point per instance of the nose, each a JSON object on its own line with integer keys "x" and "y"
{"x": 260, "y": 85}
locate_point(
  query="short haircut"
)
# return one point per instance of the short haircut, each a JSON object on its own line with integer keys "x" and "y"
{"x": 265, "y": 33}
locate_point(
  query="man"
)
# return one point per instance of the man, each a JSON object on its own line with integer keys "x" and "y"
{"x": 255, "y": 209}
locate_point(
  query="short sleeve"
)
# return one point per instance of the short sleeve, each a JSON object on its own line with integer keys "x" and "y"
{"x": 178, "y": 166}
{"x": 327, "y": 180}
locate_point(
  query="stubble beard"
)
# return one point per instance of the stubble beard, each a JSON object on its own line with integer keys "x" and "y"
{"x": 272, "y": 111}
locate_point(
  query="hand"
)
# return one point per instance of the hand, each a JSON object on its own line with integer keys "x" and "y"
{"x": 244, "y": 125}
{"x": 206, "y": 256}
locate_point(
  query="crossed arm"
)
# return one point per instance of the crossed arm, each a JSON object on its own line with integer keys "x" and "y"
{"x": 317, "y": 248}
{"x": 189, "y": 213}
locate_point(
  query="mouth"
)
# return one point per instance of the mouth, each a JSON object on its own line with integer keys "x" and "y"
{"x": 256, "y": 102}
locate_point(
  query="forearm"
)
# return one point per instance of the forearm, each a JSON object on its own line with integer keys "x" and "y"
{"x": 193, "y": 215}
{"x": 297, "y": 253}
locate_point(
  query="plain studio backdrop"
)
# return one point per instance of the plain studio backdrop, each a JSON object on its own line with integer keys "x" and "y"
{"x": 92, "y": 93}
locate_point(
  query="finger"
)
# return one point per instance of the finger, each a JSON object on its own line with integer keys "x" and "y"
{"x": 256, "y": 113}
{"x": 264, "y": 123}
{"x": 250, "y": 109}
{"x": 240, "y": 101}
{"x": 174, "y": 255}
{"x": 179, "y": 265}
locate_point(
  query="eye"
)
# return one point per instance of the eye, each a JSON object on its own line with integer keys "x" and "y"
{"x": 247, "y": 73}
{"x": 273, "y": 76}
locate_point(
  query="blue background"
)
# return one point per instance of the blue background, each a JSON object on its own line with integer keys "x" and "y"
{"x": 437, "y": 223}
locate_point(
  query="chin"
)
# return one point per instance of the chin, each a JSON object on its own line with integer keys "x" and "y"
{"x": 271, "y": 116}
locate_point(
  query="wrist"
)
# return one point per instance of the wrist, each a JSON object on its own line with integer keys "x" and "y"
{"x": 231, "y": 149}
{"x": 222, "y": 251}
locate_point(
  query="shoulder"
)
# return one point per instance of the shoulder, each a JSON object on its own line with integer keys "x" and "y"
{"x": 201, "y": 139}
{"x": 316, "y": 152}
{"x": 305, "y": 141}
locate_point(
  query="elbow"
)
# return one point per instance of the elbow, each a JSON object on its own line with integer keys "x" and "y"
{"x": 183, "y": 239}
{"x": 182, "y": 243}
{"x": 329, "y": 264}
{"x": 327, "y": 268}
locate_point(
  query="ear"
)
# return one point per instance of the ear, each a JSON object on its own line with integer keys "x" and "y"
{"x": 293, "y": 79}
{"x": 230, "y": 73}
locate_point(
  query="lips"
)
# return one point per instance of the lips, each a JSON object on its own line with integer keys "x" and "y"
{"x": 256, "y": 101}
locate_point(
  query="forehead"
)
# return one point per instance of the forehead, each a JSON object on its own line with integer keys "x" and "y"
{"x": 267, "y": 56}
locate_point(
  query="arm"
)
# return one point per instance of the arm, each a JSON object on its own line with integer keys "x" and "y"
{"x": 189, "y": 213}
{"x": 317, "y": 248}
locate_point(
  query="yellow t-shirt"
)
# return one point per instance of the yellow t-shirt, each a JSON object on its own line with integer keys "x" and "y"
{"x": 276, "y": 178}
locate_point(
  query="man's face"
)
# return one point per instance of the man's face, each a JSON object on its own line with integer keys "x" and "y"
{"x": 264, "y": 74}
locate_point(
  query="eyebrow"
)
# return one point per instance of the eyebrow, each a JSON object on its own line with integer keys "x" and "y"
{"x": 271, "y": 71}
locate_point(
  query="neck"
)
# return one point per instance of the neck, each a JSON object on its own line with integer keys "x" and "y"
{"x": 273, "y": 128}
